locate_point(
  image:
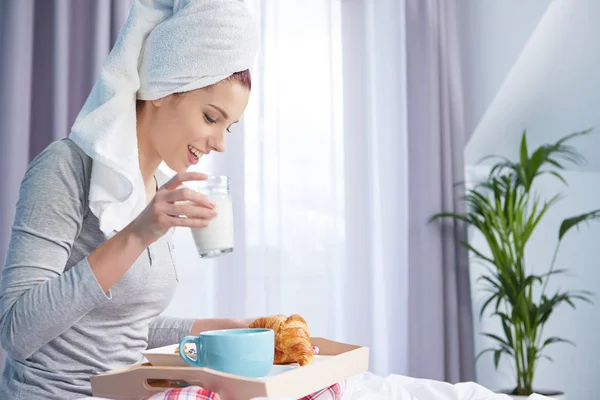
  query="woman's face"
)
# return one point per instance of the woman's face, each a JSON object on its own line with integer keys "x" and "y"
{"x": 185, "y": 127}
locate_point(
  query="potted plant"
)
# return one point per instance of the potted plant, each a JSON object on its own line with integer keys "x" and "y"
{"x": 505, "y": 209}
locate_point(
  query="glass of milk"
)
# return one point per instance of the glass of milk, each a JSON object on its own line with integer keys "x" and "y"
{"x": 217, "y": 238}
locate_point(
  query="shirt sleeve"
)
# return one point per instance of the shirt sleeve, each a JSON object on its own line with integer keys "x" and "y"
{"x": 165, "y": 331}
{"x": 39, "y": 300}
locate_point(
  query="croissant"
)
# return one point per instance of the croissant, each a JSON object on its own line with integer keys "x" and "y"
{"x": 292, "y": 338}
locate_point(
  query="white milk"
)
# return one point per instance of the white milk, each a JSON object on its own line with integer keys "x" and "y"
{"x": 217, "y": 238}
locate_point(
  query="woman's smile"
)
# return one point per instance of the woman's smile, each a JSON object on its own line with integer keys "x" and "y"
{"x": 193, "y": 154}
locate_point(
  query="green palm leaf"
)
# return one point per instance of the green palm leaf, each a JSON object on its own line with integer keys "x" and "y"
{"x": 572, "y": 222}
{"x": 506, "y": 210}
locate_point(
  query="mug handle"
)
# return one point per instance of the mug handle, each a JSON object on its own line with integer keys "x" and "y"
{"x": 184, "y": 356}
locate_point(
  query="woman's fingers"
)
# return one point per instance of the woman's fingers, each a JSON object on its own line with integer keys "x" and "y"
{"x": 188, "y": 195}
{"x": 183, "y": 206}
{"x": 189, "y": 210}
{"x": 188, "y": 222}
{"x": 182, "y": 177}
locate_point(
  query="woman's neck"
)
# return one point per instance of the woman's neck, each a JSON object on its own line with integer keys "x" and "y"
{"x": 149, "y": 159}
{"x": 149, "y": 162}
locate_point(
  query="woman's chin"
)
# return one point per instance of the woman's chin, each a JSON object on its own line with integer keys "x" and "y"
{"x": 182, "y": 165}
{"x": 177, "y": 167}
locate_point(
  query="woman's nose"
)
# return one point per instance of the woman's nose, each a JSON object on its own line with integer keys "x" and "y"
{"x": 218, "y": 144}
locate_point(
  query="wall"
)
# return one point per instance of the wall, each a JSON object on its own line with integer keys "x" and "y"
{"x": 552, "y": 89}
{"x": 522, "y": 73}
{"x": 494, "y": 34}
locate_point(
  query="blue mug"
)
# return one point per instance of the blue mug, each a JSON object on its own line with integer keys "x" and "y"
{"x": 247, "y": 352}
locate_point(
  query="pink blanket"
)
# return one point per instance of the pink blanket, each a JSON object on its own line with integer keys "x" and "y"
{"x": 333, "y": 392}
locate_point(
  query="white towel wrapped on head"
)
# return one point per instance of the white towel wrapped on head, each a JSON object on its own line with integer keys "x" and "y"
{"x": 165, "y": 47}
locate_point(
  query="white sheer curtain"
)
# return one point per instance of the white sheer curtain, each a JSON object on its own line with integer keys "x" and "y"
{"x": 319, "y": 167}
{"x": 319, "y": 177}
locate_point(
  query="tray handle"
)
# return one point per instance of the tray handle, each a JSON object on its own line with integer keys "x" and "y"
{"x": 146, "y": 380}
{"x": 143, "y": 381}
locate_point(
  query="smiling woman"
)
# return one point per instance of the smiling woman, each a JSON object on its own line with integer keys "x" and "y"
{"x": 182, "y": 127}
{"x": 89, "y": 267}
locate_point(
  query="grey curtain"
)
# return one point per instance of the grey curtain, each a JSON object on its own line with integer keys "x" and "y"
{"x": 441, "y": 330}
{"x": 51, "y": 52}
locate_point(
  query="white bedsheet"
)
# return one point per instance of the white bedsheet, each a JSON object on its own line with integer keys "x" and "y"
{"x": 368, "y": 386}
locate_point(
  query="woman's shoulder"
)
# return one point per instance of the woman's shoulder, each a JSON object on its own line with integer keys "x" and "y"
{"x": 61, "y": 165}
{"x": 63, "y": 154}
{"x": 66, "y": 152}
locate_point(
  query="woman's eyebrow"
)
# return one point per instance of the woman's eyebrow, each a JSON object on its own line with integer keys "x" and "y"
{"x": 219, "y": 109}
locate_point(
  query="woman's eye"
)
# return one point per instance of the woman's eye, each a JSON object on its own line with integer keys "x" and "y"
{"x": 209, "y": 119}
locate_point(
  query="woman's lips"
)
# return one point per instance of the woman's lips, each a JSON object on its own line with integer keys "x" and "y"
{"x": 192, "y": 159}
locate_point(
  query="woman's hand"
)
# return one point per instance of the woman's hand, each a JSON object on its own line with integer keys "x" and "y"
{"x": 174, "y": 206}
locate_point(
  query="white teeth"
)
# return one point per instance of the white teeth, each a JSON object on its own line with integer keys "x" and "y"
{"x": 194, "y": 151}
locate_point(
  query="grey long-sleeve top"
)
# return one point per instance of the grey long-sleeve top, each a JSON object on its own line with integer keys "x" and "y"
{"x": 56, "y": 323}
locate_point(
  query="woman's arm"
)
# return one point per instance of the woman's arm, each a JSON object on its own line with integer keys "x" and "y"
{"x": 202, "y": 325}
{"x": 165, "y": 331}
{"x": 113, "y": 259}
{"x": 38, "y": 299}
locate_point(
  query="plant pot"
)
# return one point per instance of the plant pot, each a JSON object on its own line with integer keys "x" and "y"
{"x": 554, "y": 395}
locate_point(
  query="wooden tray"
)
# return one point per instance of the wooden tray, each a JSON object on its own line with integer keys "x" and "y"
{"x": 144, "y": 380}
